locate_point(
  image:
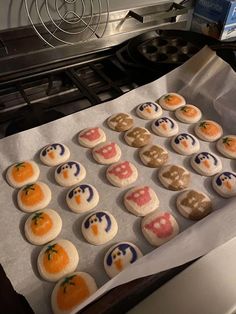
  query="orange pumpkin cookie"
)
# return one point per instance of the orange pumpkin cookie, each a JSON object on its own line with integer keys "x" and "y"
{"x": 33, "y": 197}
{"x": 43, "y": 226}
{"x": 227, "y": 146}
{"x": 172, "y": 101}
{"x": 22, "y": 173}
{"x": 188, "y": 114}
{"x": 71, "y": 291}
{"x": 57, "y": 259}
{"x": 208, "y": 130}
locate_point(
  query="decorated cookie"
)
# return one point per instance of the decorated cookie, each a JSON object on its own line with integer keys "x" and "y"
{"x": 70, "y": 173}
{"x": 174, "y": 177}
{"x": 99, "y": 227}
{"x": 122, "y": 173}
{"x": 224, "y": 184}
{"x": 153, "y": 156}
{"x": 141, "y": 200}
{"x": 172, "y": 101}
{"x": 91, "y": 137}
{"x": 165, "y": 127}
{"x": 57, "y": 259}
{"x": 71, "y": 291}
{"x": 227, "y": 146}
{"x": 43, "y": 226}
{"x": 22, "y": 173}
{"x": 119, "y": 257}
{"x": 149, "y": 111}
{"x": 159, "y": 227}
{"x": 208, "y": 130}
{"x": 185, "y": 144}
{"x": 193, "y": 204}
{"x": 107, "y": 153}
{"x": 188, "y": 114}
{"x": 206, "y": 164}
{"x": 137, "y": 137}
{"x": 54, "y": 154}
{"x": 82, "y": 198}
{"x": 33, "y": 197}
{"x": 120, "y": 122}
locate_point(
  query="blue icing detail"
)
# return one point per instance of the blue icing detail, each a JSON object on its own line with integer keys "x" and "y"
{"x": 164, "y": 119}
{"x": 99, "y": 215}
{"x": 147, "y": 104}
{"x": 207, "y": 155}
{"x": 54, "y": 146}
{"x": 83, "y": 188}
{"x": 70, "y": 164}
{"x": 123, "y": 247}
{"x": 229, "y": 175}
{"x": 184, "y": 136}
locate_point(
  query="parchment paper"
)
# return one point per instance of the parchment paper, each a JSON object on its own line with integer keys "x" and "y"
{"x": 206, "y": 81}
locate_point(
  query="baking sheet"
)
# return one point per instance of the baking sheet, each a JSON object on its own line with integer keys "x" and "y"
{"x": 205, "y": 80}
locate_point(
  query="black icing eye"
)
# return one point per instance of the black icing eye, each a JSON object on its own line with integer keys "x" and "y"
{"x": 114, "y": 256}
{"x": 91, "y": 221}
{"x": 95, "y": 220}
{"x": 118, "y": 253}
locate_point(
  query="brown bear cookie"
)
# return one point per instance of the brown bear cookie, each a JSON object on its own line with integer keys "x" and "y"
{"x": 153, "y": 156}
{"x": 193, "y": 204}
{"x": 174, "y": 177}
{"x": 137, "y": 137}
{"x": 120, "y": 122}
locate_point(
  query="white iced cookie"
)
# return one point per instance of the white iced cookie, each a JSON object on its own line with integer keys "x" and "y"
{"x": 57, "y": 259}
{"x": 206, "y": 164}
{"x": 188, "y": 114}
{"x": 82, "y": 198}
{"x": 193, "y": 204}
{"x": 165, "y": 127}
{"x": 71, "y": 291}
{"x": 119, "y": 257}
{"x": 174, "y": 177}
{"x": 227, "y": 146}
{"x": 141, "y": 200}
{"x": 120, "y": 122}
{"x": 171, "y": 101}
{"x": 208, "y": 130}
{"x": 43, "y": 226}
{"x": 33, "y": 197}
{"x": 91, "y": 137}
{"x": 70, "y": 173}
{"x": 224, "y": 184}
{"x": 149, "y": 111}
{"x": 153, "y": 156}
{"x": 185, "y": 144}
{"x": 122, "y": 173}
{"x": 99, "y": 227}
{"x": 106, "y": 153}
{"x": 54, "y": 154}
{"x": 22, "y": 173}
{"x": 137, "y": 137}
{"x": 159, "y": 227}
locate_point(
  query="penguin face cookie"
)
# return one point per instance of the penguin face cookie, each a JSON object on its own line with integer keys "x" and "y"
{"x": 43, "y": 226}
{"x": 188, "y": 114}
{"x": 153, "y": 156}
{"x": 71, "y": 291}
{"x": 82, "y": 198}
{"x": 119, "y": 257}
{"x": 91, "y": 137}
{"x": 99, "y": 228}
{"x": 208, "y": 130}
{"x": 122, "y": 174}
{"x": 141, "y": 200}
{"x": 137, "y": 137}
{"x": 172, "y": 101}
{"x": 174, "y": 177}
{"x": 194, "y": 205}
{"x": 224, "y": 184}
{"x": 22, "y": 173}
{"x": 185, "y": 144}
{"x": 206, "y": 164}
{"x": 54, "y": 154}
{"x": 33, "y": 197}
{"x": 107, "y": 153}
{"x": 57, "y": 259}
{"x": 149, "y": 111}
{"x": 165, "y": 127}
{"x": 70, "y": 173}
{"x": 120, "y": 122}
{"x": 159, "y": 227}
{"x": 227, "y": 146}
